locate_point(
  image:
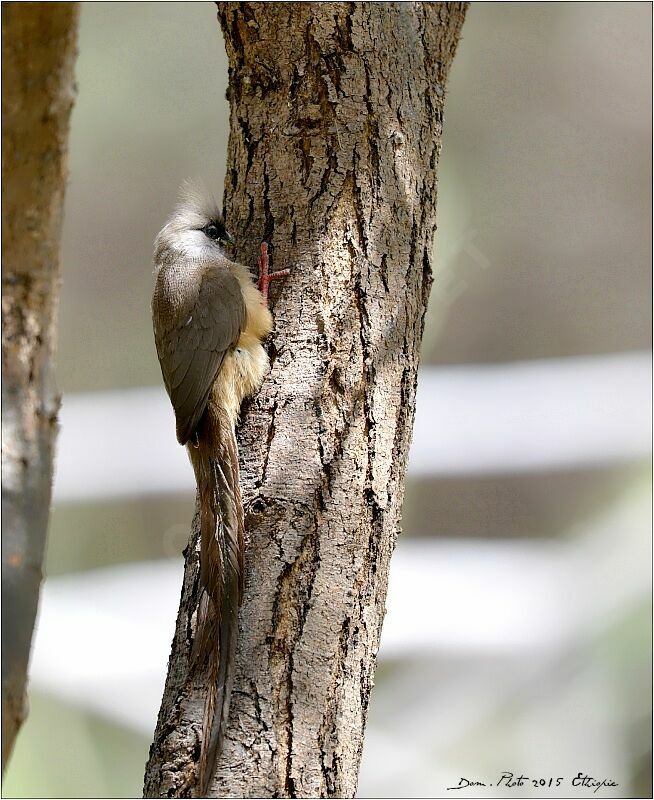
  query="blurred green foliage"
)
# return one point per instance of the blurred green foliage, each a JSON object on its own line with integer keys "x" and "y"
{"x": 64, "y": 751}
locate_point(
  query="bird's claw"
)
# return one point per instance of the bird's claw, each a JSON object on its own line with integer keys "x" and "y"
{"x": 265, "y": 276}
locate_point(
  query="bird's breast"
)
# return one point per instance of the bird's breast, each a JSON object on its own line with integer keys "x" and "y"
{"x": 241, "y": 374}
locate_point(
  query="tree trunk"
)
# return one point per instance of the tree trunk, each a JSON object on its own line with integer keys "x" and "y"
{"x": 38, "y": 56}
{"x": 336, "y": 118}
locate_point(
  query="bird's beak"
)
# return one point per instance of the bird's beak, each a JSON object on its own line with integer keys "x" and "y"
{"x": 230, "y": 244}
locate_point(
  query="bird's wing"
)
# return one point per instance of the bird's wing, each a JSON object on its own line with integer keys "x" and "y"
{"x": 192, "y": 343}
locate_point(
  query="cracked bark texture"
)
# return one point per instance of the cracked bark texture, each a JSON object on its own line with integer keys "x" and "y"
{"x": 336, "y": 120}
{"x": 38, "y": 90}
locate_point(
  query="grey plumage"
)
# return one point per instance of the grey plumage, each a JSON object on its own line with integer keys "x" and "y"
{"x": 194, "y": 334}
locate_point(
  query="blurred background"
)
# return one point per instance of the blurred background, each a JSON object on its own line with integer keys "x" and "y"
{"x": 519, "y": 615}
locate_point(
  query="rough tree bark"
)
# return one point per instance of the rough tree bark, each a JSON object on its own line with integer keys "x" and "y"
{"x": 336, "y": 118}
{"x": 38, "y": 56}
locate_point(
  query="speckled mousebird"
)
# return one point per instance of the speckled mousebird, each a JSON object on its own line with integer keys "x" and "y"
{"x": 209, "y": 321}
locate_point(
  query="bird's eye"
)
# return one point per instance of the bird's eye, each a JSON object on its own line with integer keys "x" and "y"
{"x": 212, "y": 231}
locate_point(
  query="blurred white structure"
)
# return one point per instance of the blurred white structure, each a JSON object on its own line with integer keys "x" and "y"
{"x": 103, "y": 636}
{"x": 490, "y": 419}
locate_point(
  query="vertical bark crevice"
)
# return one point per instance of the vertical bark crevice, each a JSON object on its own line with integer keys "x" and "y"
{"x": 38, "y": 90}
{"x": 290, "y": 607}
{"x": 336, "y": 119}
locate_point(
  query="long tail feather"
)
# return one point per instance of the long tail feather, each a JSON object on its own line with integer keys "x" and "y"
{"x": 221, "y": 576}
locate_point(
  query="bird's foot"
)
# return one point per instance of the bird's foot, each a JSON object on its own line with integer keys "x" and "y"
{"x": 265, "y": 276}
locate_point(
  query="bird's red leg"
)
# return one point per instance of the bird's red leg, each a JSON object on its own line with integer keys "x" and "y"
{"x": 265, "y": 276}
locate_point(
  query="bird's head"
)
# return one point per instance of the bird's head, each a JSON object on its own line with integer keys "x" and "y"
{"x": 195, "y": 228}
